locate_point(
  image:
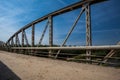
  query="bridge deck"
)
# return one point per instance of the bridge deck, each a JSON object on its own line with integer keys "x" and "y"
{"x": 36, "y": 68}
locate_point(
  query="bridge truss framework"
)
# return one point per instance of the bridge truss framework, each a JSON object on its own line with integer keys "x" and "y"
{"x": 13, "y": 42}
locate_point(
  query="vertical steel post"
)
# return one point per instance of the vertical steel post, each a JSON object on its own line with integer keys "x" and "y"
{"x": 88, "y": 31}
{"x": 50, "y": 20}
{"x": 33, "y": 38}
{"x": 16, "y": 40}
{"x": 33, "y": 35}
{"x": 22, "y": 38}
{"x": 22, "y": 51}
{"x": 8, "y": 46}
{"x": 12, "y": 42}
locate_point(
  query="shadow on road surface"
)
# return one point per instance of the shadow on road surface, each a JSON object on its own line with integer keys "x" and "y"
{"x": 6, "y": 73}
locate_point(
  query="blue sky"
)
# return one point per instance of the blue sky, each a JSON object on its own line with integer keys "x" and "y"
{"x": 105, "y": 19}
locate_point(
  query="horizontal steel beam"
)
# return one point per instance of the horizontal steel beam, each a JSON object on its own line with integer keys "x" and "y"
{"x": 109, "y": 47}
{"x": 58, "y": 12}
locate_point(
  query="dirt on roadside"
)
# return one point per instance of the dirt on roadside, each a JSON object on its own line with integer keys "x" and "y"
{"x": 36, "y": 68}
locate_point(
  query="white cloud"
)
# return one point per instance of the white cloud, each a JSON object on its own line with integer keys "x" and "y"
{"x": 9, "y": 22}
{"x": 61, "y": 1}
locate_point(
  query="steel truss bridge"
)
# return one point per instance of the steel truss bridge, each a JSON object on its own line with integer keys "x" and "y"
{"x": 22, "y": 45}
